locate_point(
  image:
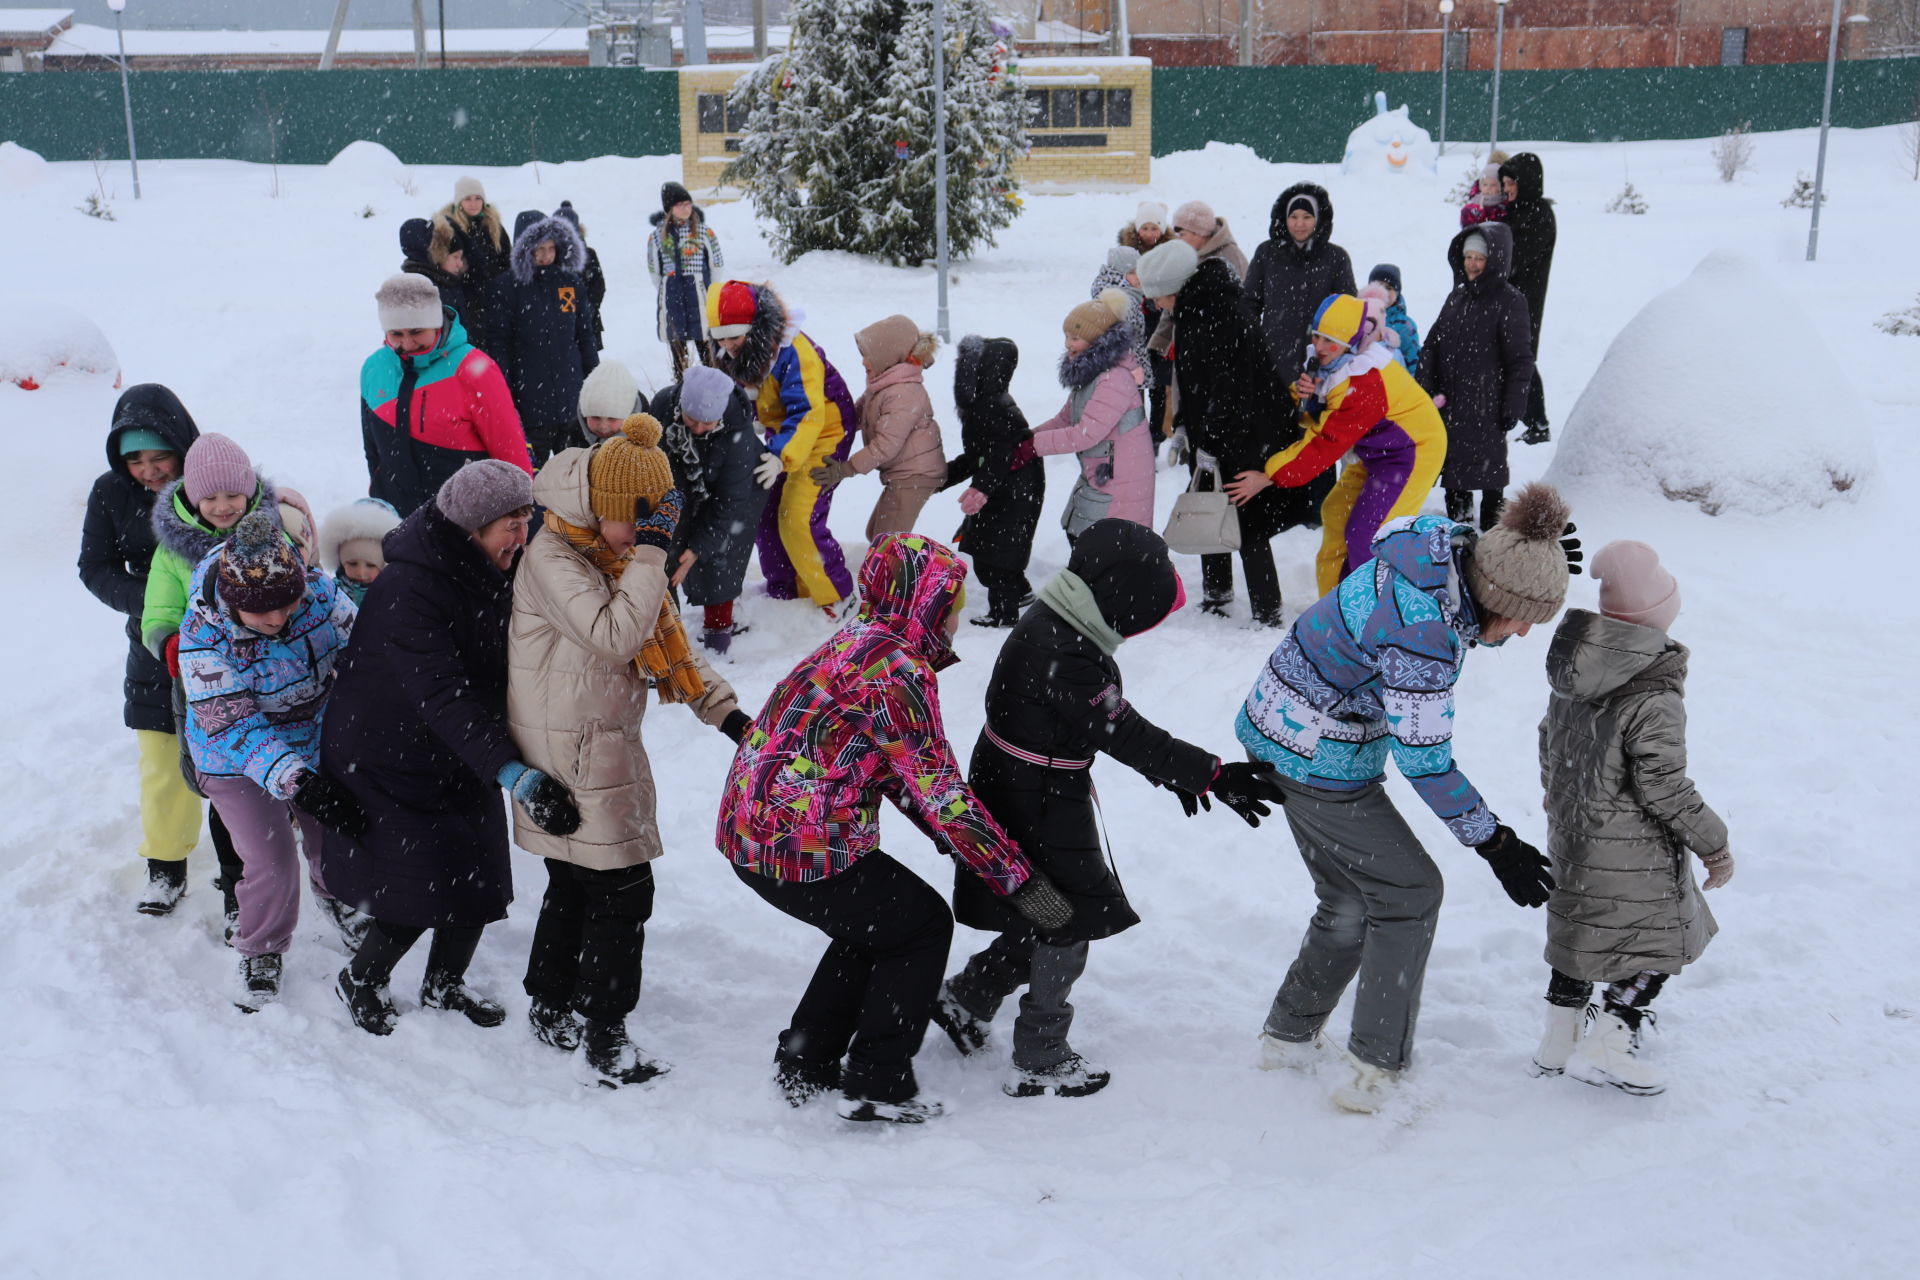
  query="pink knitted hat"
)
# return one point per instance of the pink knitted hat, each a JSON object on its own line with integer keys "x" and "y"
{"x": 215, "y": 464}
{"x": 1634, "y": 587}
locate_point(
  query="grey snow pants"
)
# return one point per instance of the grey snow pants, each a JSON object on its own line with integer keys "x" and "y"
{"x": 1009, "y": 962}
{"x": 1379, "y": 900}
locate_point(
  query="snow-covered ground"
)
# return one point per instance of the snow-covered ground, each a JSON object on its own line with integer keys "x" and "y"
{"x": 146, "y": 1128}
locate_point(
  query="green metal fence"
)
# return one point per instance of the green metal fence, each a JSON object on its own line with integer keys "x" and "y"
{"x": 512, "y": 115}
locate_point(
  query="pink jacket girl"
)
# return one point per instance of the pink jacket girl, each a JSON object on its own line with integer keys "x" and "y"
{"x": 1102, "y": 421}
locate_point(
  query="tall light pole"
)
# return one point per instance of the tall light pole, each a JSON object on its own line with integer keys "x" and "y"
{"x": 1499, "y": 56}
{"x": 1826, "y": 120}
{"x": 126, "y": 90}
{"x": 940, "y": 162}
{"x": 1446, "y": 50}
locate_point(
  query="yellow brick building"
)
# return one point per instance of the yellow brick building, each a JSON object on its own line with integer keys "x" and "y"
{"x": 1090, "y": 122}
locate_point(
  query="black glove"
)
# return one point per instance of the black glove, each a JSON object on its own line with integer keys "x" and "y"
{"x": 331, "y": 804}
{"x": 1188, "y": 800}
{"x": 1243, "y": 785}
{"x": 736, "y": 724}
{"x": 1041, "y": 903}
{"x": 549, "y": 805}
{"x": 1521, "y": 867}
{"x": 1571, "y": 545}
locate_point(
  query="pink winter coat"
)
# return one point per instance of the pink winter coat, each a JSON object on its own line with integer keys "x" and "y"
{"x": 1104, "y": 423}
{"x": 898, "y": 434}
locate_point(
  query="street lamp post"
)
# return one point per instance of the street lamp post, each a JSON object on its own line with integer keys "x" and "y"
{"x": 1499, "y": 56}
{"x": 940, "y": 162}
{"x": 1826, "y": 120}
{"x": 126, "y": 90}
{"x": 1446, "y": 42}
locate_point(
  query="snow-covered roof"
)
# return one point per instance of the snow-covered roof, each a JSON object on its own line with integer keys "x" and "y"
{"x": 33, "y": 22}
{"x": 85, "y": 40}
{"x": 1088, "y": 61}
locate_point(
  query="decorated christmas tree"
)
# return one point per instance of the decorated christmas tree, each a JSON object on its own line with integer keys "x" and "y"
{"x": 837, "y": 151}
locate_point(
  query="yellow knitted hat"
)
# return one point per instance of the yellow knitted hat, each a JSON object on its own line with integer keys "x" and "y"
{"x": 628, "y": 467}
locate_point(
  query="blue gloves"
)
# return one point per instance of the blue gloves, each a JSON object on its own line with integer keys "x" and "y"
{"x": 546, "y": 802}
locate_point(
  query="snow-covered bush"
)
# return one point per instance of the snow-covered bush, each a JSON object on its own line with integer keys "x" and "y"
{"x": 1628, "y": 201}
{"x": 1801, "y": 197}
{"x": 1749, "y": 426}
{"x": 1733, "y": 153}
{"x": 1904, "y": 321}
{"x": 40, "y": 340}
{"x": 1468, "y": 184}
{"x": 20, "y": 168}
{"x": 837, "y": 149}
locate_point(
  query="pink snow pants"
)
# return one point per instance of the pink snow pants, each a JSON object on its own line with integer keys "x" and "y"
{"x": 263, "y": 834}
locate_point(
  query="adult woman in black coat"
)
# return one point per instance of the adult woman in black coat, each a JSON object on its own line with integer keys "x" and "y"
{"x": 416, "y": 729}
{"x": 1535, "y": 231}
{"x": 1005, "y": 502}
{"x": 1234, "y": 407}
{"x": 146, "y": 446}
{"x": 1053, "y": 703}
{"x": 1479, "y": 357}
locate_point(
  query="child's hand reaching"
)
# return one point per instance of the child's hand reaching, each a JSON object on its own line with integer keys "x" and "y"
{"x": 1719, "y": 867}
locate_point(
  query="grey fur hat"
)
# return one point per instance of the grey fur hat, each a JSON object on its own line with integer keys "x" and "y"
{"x": 408, "y": 302}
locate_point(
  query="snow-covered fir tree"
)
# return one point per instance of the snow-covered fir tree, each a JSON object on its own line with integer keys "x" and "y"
{"x": 1801, "y": 197}
{"x": 1628, "y": 201}
{"x": 837, "y": 151}
{"x": 1905, "y": 321}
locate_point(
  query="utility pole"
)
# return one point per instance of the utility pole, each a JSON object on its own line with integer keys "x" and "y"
{"x": 1246, "y": 33}
{"x": 419, "y": 35}
{"x": 333, "y": 35}
{"x": 443, "y": 35}
{"x": 1446, "y": 51}
{"x": 693, "y": 34}
{"x": 759, "y": 30}
{"x": 1826, "y": 119}
{"x": 940, "y": 325}
{"x": 126, "y": 90}
{"x": 1499, "y": 58}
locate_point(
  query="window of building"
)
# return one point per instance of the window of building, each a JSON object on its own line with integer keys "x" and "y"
{"x": 1733, "y": 46}
{"x": 1456, "y": 51}
{"x": 717, "y": 115}
{"x": 1079, "y": 108}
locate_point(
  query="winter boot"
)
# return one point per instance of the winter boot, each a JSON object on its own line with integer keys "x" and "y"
{"x": 1072, "y": 1077}
{"x": 719, "y": 639}
{"x": 166, "y": 882}
{"x": 801, "y": 1080}
{"x": 968, "y": 1033}
{"x": 912, "y": 1111}
{"x": 1372, "y": 1086}
{"x": 1460, "y": 505}
{"x": 1291, "y": 1055}
{"x": 1606, "y": 1056}
{"x": 229, "y": 905}
{"x": 1216, "y": 605}
{"x": 450, "y": 991}
{"x": 1536, "y": 435}
{"x": 613, "y": 1060}
{"x": 1556, "y": 1046}
{"x": 259, "y": 982}
{"x": 352, "y": 924}
{"x": 996, "y": 617}
{"x": 367, "y": 1003}
{"x": 554, "y": 1025}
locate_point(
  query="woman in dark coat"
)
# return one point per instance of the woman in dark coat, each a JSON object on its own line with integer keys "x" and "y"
{"x": 418, "y": 257}
{"x": 1053, "y": 703}
{"x": 416, "y": 729}
{"x": 1234, "y": 406}
{"x": 1479, "y": 357}
{"x": 998, "y": 531}
{"x": 116, "y": 546}
{"x": 1535, "y": 230}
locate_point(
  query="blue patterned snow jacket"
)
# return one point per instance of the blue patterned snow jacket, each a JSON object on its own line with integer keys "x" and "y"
{"x": 1370, "y": 669}
{"x": 1401, "y": 323}
{"x": 254, "y": 701}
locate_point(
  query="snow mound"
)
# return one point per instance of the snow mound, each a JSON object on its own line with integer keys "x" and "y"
{"x": 20, "y": 168}
{"x": 1389, "y": 143}
{"x": 39, "y": 340}
{"x": 367, "y": 162}
{"x": 1720, "y": 393}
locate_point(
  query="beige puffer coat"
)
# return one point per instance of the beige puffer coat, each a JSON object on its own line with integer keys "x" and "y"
{"x": 898, "y": 433}
{"x": 1621, "y": 812}
{"x": 575, "y": 699}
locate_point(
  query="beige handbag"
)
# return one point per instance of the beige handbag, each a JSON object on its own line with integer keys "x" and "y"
{"x": 1204, "y": 521}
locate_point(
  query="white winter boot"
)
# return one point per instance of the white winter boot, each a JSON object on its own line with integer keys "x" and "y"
{"x": 1556, "y": 1046}
{"x": 1606, "y": 1057}
{"x": 1371, "y": 1089}
{"x": 1291, "y": 1055}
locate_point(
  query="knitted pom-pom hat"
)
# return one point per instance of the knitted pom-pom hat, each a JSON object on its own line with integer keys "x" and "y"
{"x": 258, "y": 570}
{"x": 1518, "y": 570}
{"x": 626, "y": 468}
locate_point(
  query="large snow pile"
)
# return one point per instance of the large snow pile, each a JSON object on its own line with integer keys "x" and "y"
{"x": 1697, "y": 403}
{"x": 1390, "y": 142}
{"x": 20, "y": 168}
{"x": 39, "y": 339}
{"x": 365, "y": 161}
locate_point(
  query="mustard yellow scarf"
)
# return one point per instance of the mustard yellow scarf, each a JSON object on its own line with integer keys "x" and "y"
{"x": 666, "y": 659}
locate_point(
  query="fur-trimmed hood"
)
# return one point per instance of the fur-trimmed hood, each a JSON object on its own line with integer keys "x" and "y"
{"x": 179, "y": 528}
{"x": 367, "y": 518}
{"x": 532, "y": 232}
{"x": 1130, "y": 237}
{"x": 750, "y": 365}
{"x": 1323, "y": 224}
{"x": 1108, "y": 350}
{"x": 453, "y": 218}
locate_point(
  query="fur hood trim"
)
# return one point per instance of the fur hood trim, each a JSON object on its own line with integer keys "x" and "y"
{"x": 367, "y": 518}
{"x": 191, "y": 539}
{"x": 573, "y": 250}
{"x": 488, "y": 223}
{"x": 1108, "y": 350}
{"x": 764, "y": 338}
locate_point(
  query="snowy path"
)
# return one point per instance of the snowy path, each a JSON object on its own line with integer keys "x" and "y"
{"x": 147, "y": 1129}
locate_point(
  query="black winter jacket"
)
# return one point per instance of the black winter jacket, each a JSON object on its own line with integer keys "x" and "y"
{"x": 546, "y": 325}
{"x": 1287, "y": 282}
{"x": 720, "y": 529}
{"x": 416, "y": 728}
{"x": 1535, "y": 230}
{"x": 1479, "y": 355}
{"x": 117, "y": 544}
{"x": 1054, "y": 693}
{"x": 991, "y": 428}
{"x": 1233, "y": 403}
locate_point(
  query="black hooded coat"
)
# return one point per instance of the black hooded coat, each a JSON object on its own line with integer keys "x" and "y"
{"x": 1479, "y": 355}
{"x": 1287, "y": 282}
{"x": 1233, "y": 402}
{"x": 117, "y": 544}
{"x": 720, "y": 529}
{"x": 991, "y": 428}
{"x": 546, "y": 320}
{"x": 416, "y": 253}
{"x": 1056, "y": 694}
{"x": 1535, "y": 232}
